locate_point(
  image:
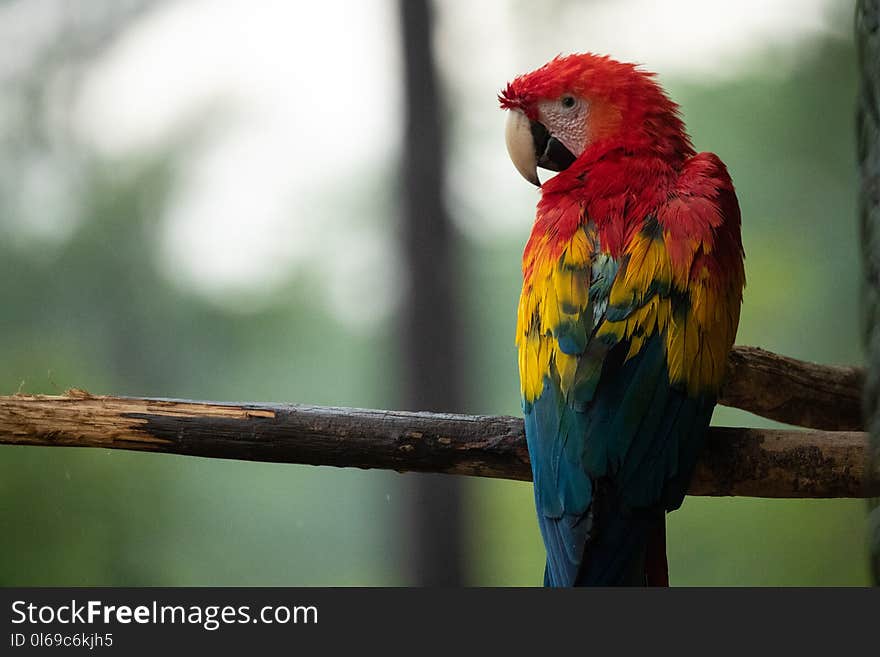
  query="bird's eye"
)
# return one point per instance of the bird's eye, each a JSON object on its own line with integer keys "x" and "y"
{"x": 568, "y": 102}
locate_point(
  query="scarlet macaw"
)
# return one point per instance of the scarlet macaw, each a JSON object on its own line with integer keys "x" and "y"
{"x": 632, "y": 286}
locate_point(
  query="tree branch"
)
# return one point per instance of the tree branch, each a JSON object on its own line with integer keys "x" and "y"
{"x": 794, "y": 391}
{"x": 753, "y": 462}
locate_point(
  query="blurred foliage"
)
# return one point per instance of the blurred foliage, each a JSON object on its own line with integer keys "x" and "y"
{"x": 93, "y": 310}
{"x": 96, "y": 313}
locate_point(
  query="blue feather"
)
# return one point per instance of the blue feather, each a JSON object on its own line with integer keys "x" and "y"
{"x": 609, "y": 464}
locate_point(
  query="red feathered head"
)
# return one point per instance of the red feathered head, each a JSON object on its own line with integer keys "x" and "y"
{"x": 577, "y": 102}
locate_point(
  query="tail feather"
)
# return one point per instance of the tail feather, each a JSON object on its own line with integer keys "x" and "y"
{"x": 656, "y": 565}
{"x": 629, "y": 548}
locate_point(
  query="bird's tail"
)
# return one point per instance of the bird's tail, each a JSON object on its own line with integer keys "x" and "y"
{"x": 656, "y": 566}
{"x": 629, "y": 548}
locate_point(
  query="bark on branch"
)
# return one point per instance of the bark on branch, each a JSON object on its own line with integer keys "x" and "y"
{"x": 752, "y": 462}
{"x": 794, "y": 391}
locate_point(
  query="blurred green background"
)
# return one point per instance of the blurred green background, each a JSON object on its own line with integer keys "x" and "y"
{"x": 100, "y": 289}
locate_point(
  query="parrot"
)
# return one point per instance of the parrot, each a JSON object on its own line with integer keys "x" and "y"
{"x": 633, "y": 279}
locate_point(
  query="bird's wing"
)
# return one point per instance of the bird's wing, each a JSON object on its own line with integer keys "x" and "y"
{"x": 621, "y": 360}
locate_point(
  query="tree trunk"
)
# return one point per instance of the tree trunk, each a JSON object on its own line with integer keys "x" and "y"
{"x": 429, "y": 335}
{"x": 868, "y": 129}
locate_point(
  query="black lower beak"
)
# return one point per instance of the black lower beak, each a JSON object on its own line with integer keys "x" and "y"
{"x": 549, "y": 151}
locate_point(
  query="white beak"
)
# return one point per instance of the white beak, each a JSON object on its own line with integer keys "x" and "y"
{"x": 521, "y": 146}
